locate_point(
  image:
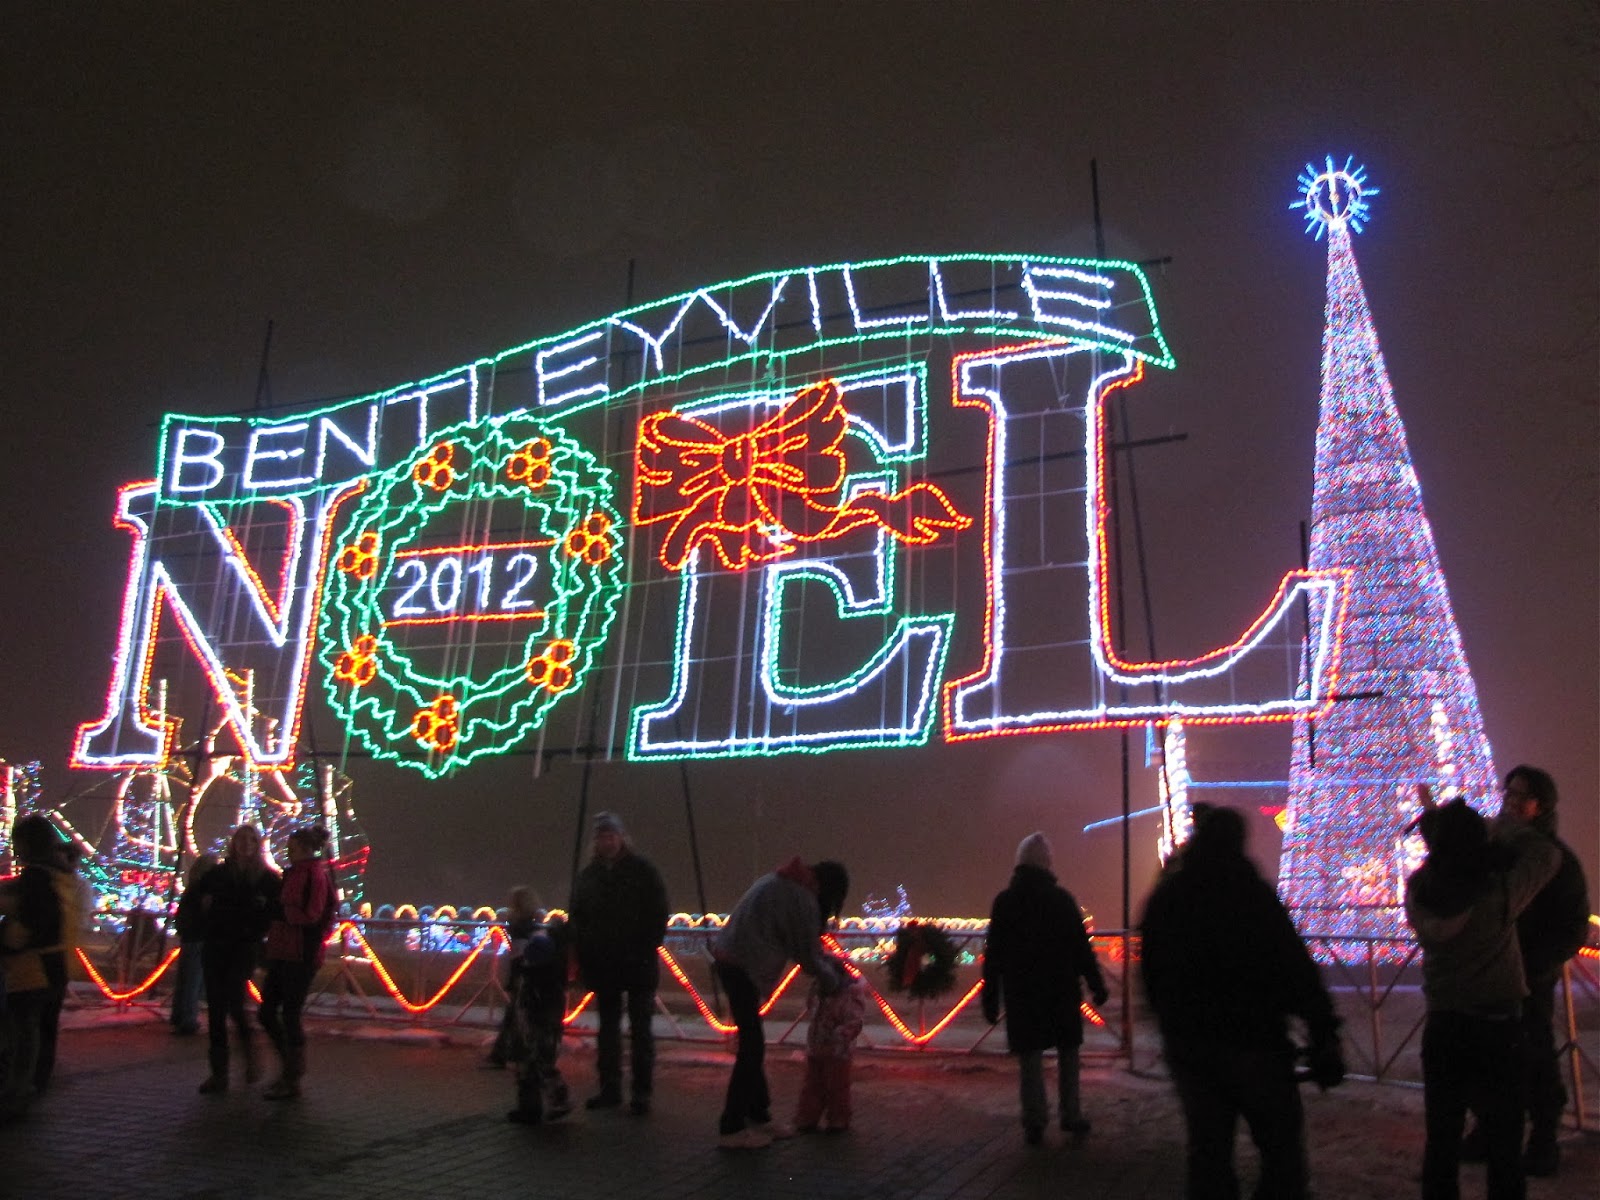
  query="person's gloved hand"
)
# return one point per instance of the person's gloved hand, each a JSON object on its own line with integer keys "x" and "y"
{"x": 1099, "y": 996}
{"x": 1326, "y": 1062}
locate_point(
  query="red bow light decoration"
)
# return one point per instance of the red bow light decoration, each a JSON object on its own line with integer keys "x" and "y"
{"x": 754, "y": 496}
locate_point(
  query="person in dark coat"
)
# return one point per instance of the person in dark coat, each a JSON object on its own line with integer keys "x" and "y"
{"x": 237, "y": 897}
{"x": 31, "y": 941}
{"x": 1463, "y": 903}
{"x": 190, "y": 923}
{"x": 1550, "y": 930}
{"x": 297, "y": 941}
{"x": 1038, "y": 950}
{"x": 1224, "y": 969}
{"x": 538, "y": 1004}
{"x": 618, "y": 920}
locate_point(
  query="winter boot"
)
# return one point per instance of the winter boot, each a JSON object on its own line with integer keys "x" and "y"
{"x": 530, "y": 1105}
{"x": 217, "y": 1082}
{"x": 558, "y": 1102}
{"x": 287, "y": 1086}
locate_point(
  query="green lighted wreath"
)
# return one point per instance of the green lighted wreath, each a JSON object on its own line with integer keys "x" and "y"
{"x": 470, "y": 588}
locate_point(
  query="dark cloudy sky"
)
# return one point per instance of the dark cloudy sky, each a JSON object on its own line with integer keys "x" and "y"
{"x": 404, "y": 187}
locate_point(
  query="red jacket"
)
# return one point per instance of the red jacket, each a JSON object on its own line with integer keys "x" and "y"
{"x": 308, "y": 902}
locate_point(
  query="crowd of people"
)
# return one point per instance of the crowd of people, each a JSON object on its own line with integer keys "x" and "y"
{"x": 234, "y": 915}
{"x": 1497, "y": 907}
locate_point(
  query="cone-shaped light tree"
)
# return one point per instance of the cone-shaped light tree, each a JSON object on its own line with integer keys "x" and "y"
{"x": 1406, "y": 710}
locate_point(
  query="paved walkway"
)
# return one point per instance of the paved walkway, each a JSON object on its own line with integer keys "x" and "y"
{"x": 411, "y": 1113}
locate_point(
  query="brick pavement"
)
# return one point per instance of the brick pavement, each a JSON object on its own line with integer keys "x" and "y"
{"x": 411, "y": 1113}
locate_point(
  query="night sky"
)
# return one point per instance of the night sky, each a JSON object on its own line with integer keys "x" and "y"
{"x": 402, "y": 188}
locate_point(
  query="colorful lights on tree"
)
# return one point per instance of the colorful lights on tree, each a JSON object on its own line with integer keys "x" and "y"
{"x": 1408, "y": 711}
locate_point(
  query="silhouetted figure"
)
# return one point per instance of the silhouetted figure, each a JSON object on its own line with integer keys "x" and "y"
{"x": 522, "y": 922}
{"x": 1464, "y": 902}
{"x": 836, "y": 1021}
{"x": 76, "y": 899}
{"x": 35, "y": 963}
{"x": 778, "y": 921}
{"x": 1550, "y": 930}
{"x": 237, "y": 897}
{"x": 1224, "y": 969}
{"x": 537, "y": 1006}
{"x": 618, "y": 921}
{"x": 296, "y": 943}
{"x": 1037, "y": 951}
{"x": 190, "y": 923}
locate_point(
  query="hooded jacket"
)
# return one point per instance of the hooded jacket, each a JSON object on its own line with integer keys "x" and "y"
{"x": 776, "y": 922}
{"x": 1465, "y": 915}
{"x": 1037, "y": 951}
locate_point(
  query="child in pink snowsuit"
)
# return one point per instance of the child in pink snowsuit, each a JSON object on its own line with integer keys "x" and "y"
{"x": 835, "y": 1024}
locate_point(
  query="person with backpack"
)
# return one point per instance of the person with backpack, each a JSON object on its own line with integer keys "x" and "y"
{"x": 296, "y": 941}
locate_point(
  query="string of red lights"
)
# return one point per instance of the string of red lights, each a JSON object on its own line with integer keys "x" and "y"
{"x": 348, "y": 933}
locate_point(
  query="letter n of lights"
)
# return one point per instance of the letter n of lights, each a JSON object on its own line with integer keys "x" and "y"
{"x": 252, "y": 642}
{"x": 1049, "y": 663}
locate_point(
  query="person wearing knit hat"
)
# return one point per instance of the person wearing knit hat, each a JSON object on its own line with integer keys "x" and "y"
{"x": 1038, "y": 950}
{"x": 617, "y": 922}
{"x": 1034, "y": 851}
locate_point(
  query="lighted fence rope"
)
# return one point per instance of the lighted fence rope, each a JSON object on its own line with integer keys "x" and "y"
{"x": 111, "y": 993}
{"x": 493, "y": 934}
{"x": 709, "y": 1017}
{"x": 497, "y": 935}
{"x": 904, "y": 1030}
{"x": 1592, "y": 953}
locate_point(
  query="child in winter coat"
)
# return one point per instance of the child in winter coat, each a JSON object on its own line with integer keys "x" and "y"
{"x": 538, "y": 1006}
{"x": 522, "y": 921}
{"x": 836, "y": 1020}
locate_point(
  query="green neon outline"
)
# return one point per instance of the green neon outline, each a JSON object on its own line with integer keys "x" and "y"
{"x": 1149, "y": 344}
{"x": 582, "y": 607}
{"x": 777, "y": 577}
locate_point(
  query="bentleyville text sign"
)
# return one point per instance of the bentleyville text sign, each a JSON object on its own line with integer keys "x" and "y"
{"x": 853, "y": 505}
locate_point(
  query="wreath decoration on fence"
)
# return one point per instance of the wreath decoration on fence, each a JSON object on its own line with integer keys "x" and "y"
{"x": 923, "y": 962}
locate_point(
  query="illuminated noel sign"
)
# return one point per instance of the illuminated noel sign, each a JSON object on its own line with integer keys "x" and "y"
{"x": 855, "y": 505}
